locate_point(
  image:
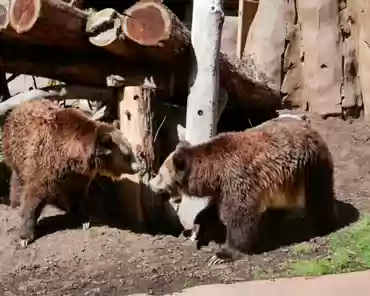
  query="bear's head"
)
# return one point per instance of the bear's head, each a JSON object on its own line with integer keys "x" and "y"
{"x": 173, "y": 174}
{"x": 114, "y": 155}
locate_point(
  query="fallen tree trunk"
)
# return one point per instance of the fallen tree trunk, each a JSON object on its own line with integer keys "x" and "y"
{"x": 84, "y": 68}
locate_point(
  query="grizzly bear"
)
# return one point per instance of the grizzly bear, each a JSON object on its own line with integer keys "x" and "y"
{"x": 281, "y": 164}
{"x": 54, "y": 153}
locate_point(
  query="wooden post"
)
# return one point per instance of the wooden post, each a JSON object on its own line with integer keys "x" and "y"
{"x": 202, "y": 106}
{"x": 208, "y": 18}
{"x": 136, "y": 121}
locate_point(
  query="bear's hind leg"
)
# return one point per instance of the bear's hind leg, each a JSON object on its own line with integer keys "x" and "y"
{"x": 32, "y": 204}
{"x": 16, "y": 187}
{"x": 241, "y": 225}
{"x": 320, "y": 199}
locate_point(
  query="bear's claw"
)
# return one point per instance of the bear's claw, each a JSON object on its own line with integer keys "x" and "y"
{"x": 215, "y": 260}
{"x": 85, "y": 225}
{"x": 24, "y": 242}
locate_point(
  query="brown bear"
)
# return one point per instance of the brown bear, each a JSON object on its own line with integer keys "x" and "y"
{"x": 54, "y": 154}
{"x": 280, "y": 164}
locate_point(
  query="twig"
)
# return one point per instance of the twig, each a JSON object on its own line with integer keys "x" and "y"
{"x": 159, "y": 128}
{"x": 12, "y": 77}
{"x": 34, "y": 82}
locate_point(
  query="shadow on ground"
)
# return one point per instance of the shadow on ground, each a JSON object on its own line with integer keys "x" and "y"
{"x": 106, "y": 209}
{"x": 276, "y": 229}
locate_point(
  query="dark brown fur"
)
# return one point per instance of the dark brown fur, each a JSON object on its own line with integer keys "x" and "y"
{"x": 54, "y": 153}
{"x": 240, "y": 168}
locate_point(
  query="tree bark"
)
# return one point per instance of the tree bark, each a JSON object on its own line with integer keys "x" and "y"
{"x": 266, "y": 42}
{"x": 362, "y": 9}
{"x": 322, "y": 71}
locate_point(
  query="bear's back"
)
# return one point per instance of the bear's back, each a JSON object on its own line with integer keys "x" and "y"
{"x": 41, "y": 135}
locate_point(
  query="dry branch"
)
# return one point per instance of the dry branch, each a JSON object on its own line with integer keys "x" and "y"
{"x": 59, "y": 92}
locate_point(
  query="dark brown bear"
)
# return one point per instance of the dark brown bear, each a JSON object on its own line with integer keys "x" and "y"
{"x": 280, "y": 164}
{"x": 54, "y": 154}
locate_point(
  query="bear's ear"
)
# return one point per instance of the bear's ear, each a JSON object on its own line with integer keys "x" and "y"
{"x": 183, "y": 144}
{"x": 116, "y": 124}
{"x": 179, "y": 160}
{"x": 181, "y": 132}
{"x": 103, "y": 144}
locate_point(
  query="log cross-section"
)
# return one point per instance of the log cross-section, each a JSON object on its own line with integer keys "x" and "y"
{"x": 153, "y": 25}
{"x": 50, "y": 22}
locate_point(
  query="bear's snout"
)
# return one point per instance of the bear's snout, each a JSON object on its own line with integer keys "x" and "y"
{"x": 155, "y": 185}
{"x": 136, "y": 167}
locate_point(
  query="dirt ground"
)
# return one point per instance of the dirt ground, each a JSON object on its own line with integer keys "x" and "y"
{"x": 111, "y": 261}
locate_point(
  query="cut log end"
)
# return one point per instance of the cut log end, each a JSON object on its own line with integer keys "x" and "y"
{"x": 23, "y": 14}
{"x": 4, "y": 20}
{"x": 147, "y": 23}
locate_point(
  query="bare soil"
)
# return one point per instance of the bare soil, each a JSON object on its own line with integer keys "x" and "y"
{"x": 109, "y": 261}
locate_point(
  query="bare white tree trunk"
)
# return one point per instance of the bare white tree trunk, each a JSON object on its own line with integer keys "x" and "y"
{"x": 202, "y": 106}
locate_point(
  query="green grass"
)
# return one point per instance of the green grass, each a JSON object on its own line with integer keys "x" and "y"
{"x": 348, "y": 250}
{"x": 302, "y": 249}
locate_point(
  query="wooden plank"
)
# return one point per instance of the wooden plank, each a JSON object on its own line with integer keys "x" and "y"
{"x": 246, "y": 13}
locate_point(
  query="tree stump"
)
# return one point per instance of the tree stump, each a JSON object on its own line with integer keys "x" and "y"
{"x": 136, "y": 120}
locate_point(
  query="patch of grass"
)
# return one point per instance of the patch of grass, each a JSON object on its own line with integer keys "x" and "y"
{"x": 302, "y": 249}
{"x": 258, "y": 273}
{"x": 348, "y": 250}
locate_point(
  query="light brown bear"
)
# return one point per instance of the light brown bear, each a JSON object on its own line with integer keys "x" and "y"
{"x": 54, "y": 154}
{"x": 282, "y": 164}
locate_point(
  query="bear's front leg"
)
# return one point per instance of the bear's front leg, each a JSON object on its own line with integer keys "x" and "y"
{"x": 79, "y": 212}
{"x": 241, "y": 222}
{"x": 32, "y": 204}
{"x": 16, "y": 189}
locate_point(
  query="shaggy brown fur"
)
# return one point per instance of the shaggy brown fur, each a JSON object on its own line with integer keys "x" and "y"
{"x": 282, "y": 163}
{"x": 54, "y": 153}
